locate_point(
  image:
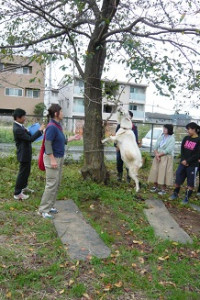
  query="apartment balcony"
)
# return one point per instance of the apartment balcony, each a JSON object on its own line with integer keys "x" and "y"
{"x": 138, "y": 114}
{"x": 137, "y": 98}
{"x": 78, "y": 91}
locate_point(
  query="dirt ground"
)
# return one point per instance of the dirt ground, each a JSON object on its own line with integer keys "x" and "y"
{"x": 187, "y": 218}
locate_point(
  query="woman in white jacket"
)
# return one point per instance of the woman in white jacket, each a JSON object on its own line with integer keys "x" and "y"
{"x": 161, "y": 172}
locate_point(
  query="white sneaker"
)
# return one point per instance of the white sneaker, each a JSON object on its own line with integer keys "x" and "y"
{"x": 27, "y": 190}
{"x": 47, "y": 216}
{"x": 21, "y": 196}
{"x": 53, "y": 210}
{"x": 162, "y": 193}
{"x": 154, "y": 189}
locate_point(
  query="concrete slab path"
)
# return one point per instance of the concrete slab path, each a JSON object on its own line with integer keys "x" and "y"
{"x": 163, "y": 223}
{"x": 195, "y": 207}
{"x": 81, "y": 239}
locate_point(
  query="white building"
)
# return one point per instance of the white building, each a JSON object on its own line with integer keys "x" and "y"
{"x": 132, "y": 96}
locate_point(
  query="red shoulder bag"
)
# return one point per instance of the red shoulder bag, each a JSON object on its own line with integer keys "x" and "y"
{"x": 42, "y": 149}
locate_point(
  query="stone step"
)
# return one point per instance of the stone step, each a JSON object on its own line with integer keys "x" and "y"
{"x": 163, "y": 223}
{"x": 81, "y": 239}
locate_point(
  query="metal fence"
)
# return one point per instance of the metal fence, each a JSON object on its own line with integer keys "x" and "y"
{"x": 147, "y": 132}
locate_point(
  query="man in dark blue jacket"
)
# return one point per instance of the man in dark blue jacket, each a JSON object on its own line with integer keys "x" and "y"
{"x": 23, "y": 140}
{"x": 118, "y": 154}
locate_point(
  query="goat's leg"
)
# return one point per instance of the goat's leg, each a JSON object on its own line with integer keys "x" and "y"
{"x": 133, "y": 174}
{"x": 110, "y": 138}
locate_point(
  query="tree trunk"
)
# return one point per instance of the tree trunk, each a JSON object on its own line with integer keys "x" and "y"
{"x": 94, "y": 166}
{"x": 93, "y": 129}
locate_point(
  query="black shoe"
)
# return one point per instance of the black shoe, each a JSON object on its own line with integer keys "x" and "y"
{"x": 128, "y": 179}
{"x": 174, "y": 196}
{"x": 186, "y": 200}
{"x": 119, "y": 176}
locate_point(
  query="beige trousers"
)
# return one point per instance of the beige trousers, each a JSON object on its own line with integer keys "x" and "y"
{"x": 53, "y": 178}
{"x": 162, "y": 171}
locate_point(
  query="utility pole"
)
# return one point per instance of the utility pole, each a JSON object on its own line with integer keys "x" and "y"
{"x": 48, "y": 89}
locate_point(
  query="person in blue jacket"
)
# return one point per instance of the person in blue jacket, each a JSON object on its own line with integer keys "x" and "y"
{"x": 55, "y": 141}
{"x": 118, "y": 154}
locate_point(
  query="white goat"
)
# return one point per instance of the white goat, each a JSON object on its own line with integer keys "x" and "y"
{"x": 126, "y": 142}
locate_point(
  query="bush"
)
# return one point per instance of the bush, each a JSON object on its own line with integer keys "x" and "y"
{"x": 39, "y": 109}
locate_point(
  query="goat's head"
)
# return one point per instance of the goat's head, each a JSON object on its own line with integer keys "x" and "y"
{"x": 124, "y": 118}
{"x": 120, "y": 113}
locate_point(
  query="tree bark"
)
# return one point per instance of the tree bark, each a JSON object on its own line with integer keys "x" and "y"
{"x": 93, "y": 128}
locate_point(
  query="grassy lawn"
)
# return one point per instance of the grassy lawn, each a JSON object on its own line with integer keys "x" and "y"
{"x": 35, "y": 265}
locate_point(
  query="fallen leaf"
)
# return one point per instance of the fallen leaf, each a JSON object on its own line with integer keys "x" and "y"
{"x": 8, "y": 295}
{"x": 86, "y": 296}
{"x": 118, "y": 284}
{"x": 175, "y": 243}
{"x": 108, "y": 287}
{"x": 128, "y": 232}
{"x": 141, "y": 260}
{"x": 11, "y": 208}
{"x": 163, "y": 258}
{"x": 61, "y": 292}
{"x": 89, "y": 257}
{"x": 167, "y": 283}
{"x": 116, "y": 254}
{"x": 3, "y": 266}
{"x": 137, "y": 242}
{"x": 71, "y": 281}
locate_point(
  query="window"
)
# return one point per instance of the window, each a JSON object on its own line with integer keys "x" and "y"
{"x": 78, "y": 87}
{"x": 132, "y": 106}
{"x": 107, "y": 108}
{"x": 31, "y": 93}
{"x": 24, "y": 70}
{"x": 14, "y": 92}
{"x": 137, "y": 93}
{"x": 78, "y": 106}
{"x": 79, "y": 83}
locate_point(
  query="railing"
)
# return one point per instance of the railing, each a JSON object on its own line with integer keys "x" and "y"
{"x": 73, "y": 125}
{"x": 137, "y": 97}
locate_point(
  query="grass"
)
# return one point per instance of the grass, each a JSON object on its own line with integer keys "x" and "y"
{"x": 35, "y": 265}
